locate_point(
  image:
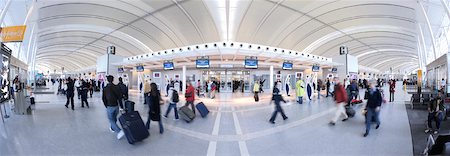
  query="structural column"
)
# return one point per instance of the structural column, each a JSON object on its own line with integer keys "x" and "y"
{"x": 184, "y": 80}
{"x": 430, "y": 30}
{"x": 5, "y": 9}
{"x": 446, "y": 8}
{"x": 271, "y": 79}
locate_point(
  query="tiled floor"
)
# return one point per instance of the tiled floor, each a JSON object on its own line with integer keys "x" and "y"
{"x": 236, "y": 126}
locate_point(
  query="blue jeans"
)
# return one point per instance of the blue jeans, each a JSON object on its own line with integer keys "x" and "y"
{"x": 309, "y": 91}
{"x": 437, "y": 118}
{"x": 371, "y": 113}
{"x": 174, "y": 106}
{"x": 161, "y": 128}
{"x": 112, "y": 113}
{"x": 278, "y": 109}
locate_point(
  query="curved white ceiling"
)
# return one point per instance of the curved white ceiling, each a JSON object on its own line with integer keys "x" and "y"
{"x": 73, "y": 33}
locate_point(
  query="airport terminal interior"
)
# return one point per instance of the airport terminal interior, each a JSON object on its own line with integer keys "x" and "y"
{"x": 224, "y": 77}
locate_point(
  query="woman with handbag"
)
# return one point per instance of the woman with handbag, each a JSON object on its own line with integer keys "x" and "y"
{"x": 154, "y": 101}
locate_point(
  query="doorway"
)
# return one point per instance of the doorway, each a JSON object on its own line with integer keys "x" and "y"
{"x": 229, "y": 81}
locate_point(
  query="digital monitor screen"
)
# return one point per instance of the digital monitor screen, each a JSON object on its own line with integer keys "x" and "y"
{"x": 287, "y": 66}
{"x": 139, "y": 68}
{"x": 168, "y": 65}
{"x": 120, "y": 70}
{"x": 202, "y": 63}
{"x": 251, "y": 63}
{"x": 315, "y": 68}
{"x": 333, "y": 70}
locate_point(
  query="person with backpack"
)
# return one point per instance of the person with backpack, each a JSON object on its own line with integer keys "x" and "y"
{"x": 84, "y": 92}
{"x": 277, "y": 98}
{"x": 70, "y": 91}
{"x": 154, "y": 102}
{"x": 190, "y": 96}
{"x": 340, "y": 97}
{"x": 124, "y": 90}
{"x": 110, "y": 98}
{"x": 353, "y": 90}
{"x": 373, "y": 106}
{"x": 173, "y": 100}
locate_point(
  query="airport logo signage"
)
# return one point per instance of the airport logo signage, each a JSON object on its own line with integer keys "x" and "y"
{"x": 13, "y": 33}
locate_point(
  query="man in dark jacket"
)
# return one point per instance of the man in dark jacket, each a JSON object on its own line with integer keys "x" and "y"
{"x": 373, "y": 107}
{"x": 328, "y": 86}
{"x": 110, "y": 98}
{"x": 70, "y": 92}
{"x": 276, "y": 96}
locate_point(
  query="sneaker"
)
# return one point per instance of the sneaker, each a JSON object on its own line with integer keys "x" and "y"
{"x": 435, "y": 132}
{"x": 378, "y": 126}
{"x": 272, "y": 122}
{"x": 66, "y": 106}
{"x": 176, "y": 119}
{"x": 332, "y": 123}
{"x": 164, "y": 116}
{"x": 427, "y": 130}
{"x": 111, "y": 130}
{"x": 343, "y": 120}
{"x": 285, "y": 118}
{"x": 120, "y": 135}
{"x": 366, "y": 134}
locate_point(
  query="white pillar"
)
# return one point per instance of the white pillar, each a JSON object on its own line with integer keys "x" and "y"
{"x": 271, "y": 79}
{"x": 5, "y": 9}
{"x": 446, "y": 8}
{"x": 184, "y": 80}
{"x": 424, "y": 50}
{"x": 430, "y": 30}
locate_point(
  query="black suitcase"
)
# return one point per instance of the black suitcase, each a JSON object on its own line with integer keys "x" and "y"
{"x": 186, "y": 114}
{"x": 256, "y": 98}
{"x": 129, "y": 106}
{"x": 350, "y": 111}
{"x": 32, "y": 100}
{"x": 133, "y": 127}
{"x": 202, "y": 109}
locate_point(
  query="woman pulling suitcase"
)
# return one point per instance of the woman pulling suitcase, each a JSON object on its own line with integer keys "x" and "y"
{"x": 154, "y": 102}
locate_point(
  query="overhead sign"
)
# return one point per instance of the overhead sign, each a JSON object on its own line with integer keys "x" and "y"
{"x": 13, "y": 33}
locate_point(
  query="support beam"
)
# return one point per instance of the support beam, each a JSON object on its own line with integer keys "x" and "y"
{"x": 271, "y": 79}
{"x": 430, "y": 30}
{"x": 445, "y": 5}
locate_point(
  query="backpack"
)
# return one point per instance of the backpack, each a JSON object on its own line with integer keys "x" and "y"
{"x": 175, "y": 97}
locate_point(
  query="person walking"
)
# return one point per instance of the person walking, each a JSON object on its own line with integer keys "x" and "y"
{"x": 340, "y": 97}
{"x": 154, "y": 102}
{"x": 91, "y": 88}
{"x": 173, "y": 100}
{"x": 146, "y": 90}
{"x": 78, "y": 86}
{"x": 277, "y": 98}
{"x": 319, "y": 88}
{"x": 328, "y": 87}
{"x": 300, "y": 90}
{"x": 256, "y": 91}
{"x": 373, "y": 107}
{"x": 110, "y": 98}
{"x": 84, "y": 92}
{"x": 190, "y": 96}
{"x": 167, "y": 88}
{"x": 435, "y": 113}
{"x": 288, "y": 87}
{"x": 70, "y": 93}
{"x": 308, "y": 87}
{"x": 124, "y": 92}
{"x": 391, "y": 90}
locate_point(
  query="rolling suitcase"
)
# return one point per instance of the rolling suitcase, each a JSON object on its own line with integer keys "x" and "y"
{"x": 186, "y": 114}
{"x": 202, "y": 109}
{"x": 133, "y": 127}
{"x": 350, "y": 111}
{"x": 256, "y": 97}
{"x": 129, "y": 106}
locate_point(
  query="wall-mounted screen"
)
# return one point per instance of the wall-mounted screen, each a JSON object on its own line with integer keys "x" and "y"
{"x": 334, "y": 70}
{"x": 168, "y": 65}
{"x": 202, "y": 63}
{"x": 120, "y": 70}
{"x": 315, "y": 68}
{"x": 251, "y": 63}
{"x": 140, "y": 68}
{"x": 287, "y": 66}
